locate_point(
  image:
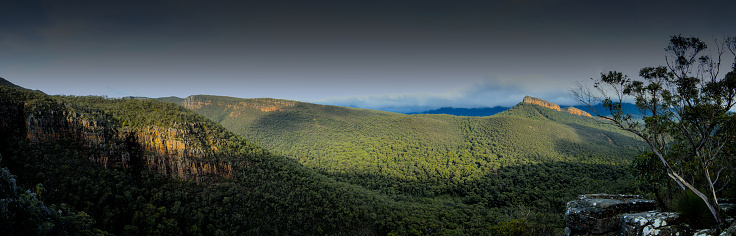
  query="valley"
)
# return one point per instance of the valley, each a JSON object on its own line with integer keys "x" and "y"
{"x": 487, "y": 160}
{"x": 222, "y": 165}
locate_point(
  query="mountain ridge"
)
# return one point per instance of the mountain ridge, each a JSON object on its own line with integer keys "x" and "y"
{"x": 479, "y": 111}
{"x": 140, "y": 166}
{"x": 303, "y": 169}
{"x": 553, "y": 106}
{"x": 582, "y": 110}
{"x": 176, "y": 148}
{"x": 311, "y": 132}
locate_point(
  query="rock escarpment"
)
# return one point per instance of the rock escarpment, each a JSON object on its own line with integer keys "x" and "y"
{"x": 261, "y": 104}
{"x": 541, "y": 102}
{"x": 51, "y": 122}
{"x": 192, "y": 103}
{"x": 185, "y": 150}
{"x": 181, "y": 151}
{"x": 553, "y": 106}
{"x": 236, "y": 107}
{"x": 576, "y": 111}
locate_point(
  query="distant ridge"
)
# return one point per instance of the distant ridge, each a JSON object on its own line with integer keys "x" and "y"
{"x": 628, "y": 108}
{"x": 489, "y": 111}
{"x": 553, "y": 106}
{"x": 576, "y": 111}
{"x": 482, "y": 111}
{"x": 172, "y": 99}
{"x": 541, "y": 102}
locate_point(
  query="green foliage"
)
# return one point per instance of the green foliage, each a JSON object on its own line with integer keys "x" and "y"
{"x": 693, "y": 210}
{"x": 433, "y": 149}
{"x": 23, "y": 213}
{"x": 648, "y": 169}
{"x": 175, "y": 100}
{"x": 526, "y": 155}
{"x": 688, "y": 125}
{"x": 377, "y": 172}
{"x": 514, "y": 227}
{"x": 268, "y": 194}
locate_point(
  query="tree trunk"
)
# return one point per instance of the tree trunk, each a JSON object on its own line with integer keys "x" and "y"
{"x": 715, "y": 210}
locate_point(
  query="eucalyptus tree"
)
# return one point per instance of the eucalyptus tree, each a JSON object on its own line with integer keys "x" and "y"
{"x": 685, "y": 108}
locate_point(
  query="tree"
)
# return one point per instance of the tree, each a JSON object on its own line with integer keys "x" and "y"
{"x": 685, "y": 108}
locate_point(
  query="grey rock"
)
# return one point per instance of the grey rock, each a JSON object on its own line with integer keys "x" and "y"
{"x": 599, "y": 213}
{"x": 609, "y": 196}
{"x": 652, "y": 223}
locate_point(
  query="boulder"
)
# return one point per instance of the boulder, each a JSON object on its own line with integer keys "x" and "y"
{"x": 652, "y": 223}
{"x": 599, "y": 213}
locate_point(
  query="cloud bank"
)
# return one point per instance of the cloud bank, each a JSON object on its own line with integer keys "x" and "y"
{"x": 487, "y": 93}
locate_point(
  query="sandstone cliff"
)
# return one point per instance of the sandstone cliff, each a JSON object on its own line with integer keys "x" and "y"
{"x": 182, "y": 151}
{"x": 576, "y": 111}
{"x": 237, "y": 107}
{"x": 541, "y": 102}
{"x": 185, "y": 150}
{"x": 51, "y": 122}
{"x": 553, "y": 106}
{"x": 191, "y": 103}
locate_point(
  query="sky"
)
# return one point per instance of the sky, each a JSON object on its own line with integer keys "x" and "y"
{"x": 391, "y": 55}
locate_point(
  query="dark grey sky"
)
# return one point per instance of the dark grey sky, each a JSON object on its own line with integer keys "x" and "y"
{"x": 369, "y": 54}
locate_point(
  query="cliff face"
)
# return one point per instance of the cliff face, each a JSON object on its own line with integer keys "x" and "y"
{"x": 46, "y": 124}
{"x": 191, "y": 103}
{"x": 184, "y": 151}
{"x": 238, "y": 108}
{"x": 541, "y": 102}
{"x": 576, "y": 111}
{"x": 556, "y": 107}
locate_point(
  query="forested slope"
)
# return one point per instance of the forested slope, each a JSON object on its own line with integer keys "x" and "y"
{"x": 94, "y": 165}
{"x": 341, "y": 140}
{"x": 528, "y": 155}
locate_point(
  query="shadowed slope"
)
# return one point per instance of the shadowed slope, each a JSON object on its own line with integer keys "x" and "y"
{"x": 341, "y": 141}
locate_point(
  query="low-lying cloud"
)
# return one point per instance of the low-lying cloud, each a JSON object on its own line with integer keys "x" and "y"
{"x": 488, "y": 93}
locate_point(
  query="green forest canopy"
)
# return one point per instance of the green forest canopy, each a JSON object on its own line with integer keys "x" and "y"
{"x": 406, "y": 175}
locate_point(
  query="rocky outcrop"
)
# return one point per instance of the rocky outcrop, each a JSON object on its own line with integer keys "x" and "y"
{"x": 52, "y": 122}
{"x": 236, "y": 106}
{"x": 541, "y": 102}
{"x": 192, "y": 103}
{"x": 553, "y": 106}
{"x": 624, "y": 215}
{"x": 182, "y": 152}
{"x": 599, "y": 213}
{"x": 185, "y": 150}
{"x": 652, "y": 223}
{"x": 576, "y": 111}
